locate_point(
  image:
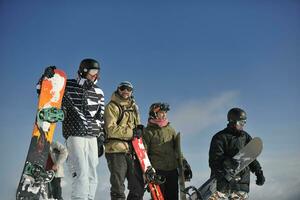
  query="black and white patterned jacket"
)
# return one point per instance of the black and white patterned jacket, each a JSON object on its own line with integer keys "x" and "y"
{"x": 83, "y": 105}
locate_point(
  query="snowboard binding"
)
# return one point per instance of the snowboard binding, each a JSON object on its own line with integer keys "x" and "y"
{"x": 38, "y": 173}
{"x": 193, "y": 190}
{"x": 152, "y": 177}
{"x": 51, "y": 115}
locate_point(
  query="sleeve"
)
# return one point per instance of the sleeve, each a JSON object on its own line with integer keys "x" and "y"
{"x": 114, "y": 130}
{"x": 176, "y": 144}
{"x": 38, "y": 85}
{"x": 137, "y": 112}
{"x": 146, "y": 138}
{"x": 99, "y": 116}
{"x": 216, "y": 155}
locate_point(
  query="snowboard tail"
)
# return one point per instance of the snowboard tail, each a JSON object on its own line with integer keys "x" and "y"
{"x": 180, "y": 167}
{"x": 34, "y": 176}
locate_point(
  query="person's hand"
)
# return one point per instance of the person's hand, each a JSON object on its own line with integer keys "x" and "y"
{"x": 187, "y": 171}
{"x": 49, "y": 72}
{"x": 138, "y": 131}
{"x": 260, "y": 179}
{"x": 55, "y": 167}
{"x": 100, "y": 142}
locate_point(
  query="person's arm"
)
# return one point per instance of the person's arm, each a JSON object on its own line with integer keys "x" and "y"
{"x": 63, "y": 152}
{"x": 216, "y": 155}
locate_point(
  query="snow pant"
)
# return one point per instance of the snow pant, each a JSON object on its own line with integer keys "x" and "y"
{"x": 121, "y": 166}
{"x": 235, "y": 195}
{"x": 82, "y": 163}
{"x": 170, "y": 187}
{"x": 54, "y": 189}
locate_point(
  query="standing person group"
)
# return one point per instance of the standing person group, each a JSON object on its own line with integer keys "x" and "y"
{"x": 89, "y": 126}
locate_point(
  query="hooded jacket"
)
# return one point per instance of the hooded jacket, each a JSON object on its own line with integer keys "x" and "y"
{"x": 119, "y": 133}
{"x": 160, "y": 145}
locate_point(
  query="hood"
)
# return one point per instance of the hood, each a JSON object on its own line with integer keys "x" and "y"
{"x": 121, "y": 101}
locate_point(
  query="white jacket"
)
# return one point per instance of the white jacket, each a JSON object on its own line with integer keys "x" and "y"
{"x": 59, "y": 154}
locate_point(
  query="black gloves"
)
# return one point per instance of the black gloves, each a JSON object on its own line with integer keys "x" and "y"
{"x": 49, "y": 72}
{"x": 100, "y": 141}
{"x": 152, "y": 177}
{"x": 260, "y": 179}
{"x": 138, "y": 131}
{"x": 187, "y": 171}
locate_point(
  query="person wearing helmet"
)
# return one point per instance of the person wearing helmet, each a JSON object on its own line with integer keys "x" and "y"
{"x": 83, "y": 127}
{"x": 122, "y": 120}
{"x": 159, "y": 140}
{"x": 224, "y": 145}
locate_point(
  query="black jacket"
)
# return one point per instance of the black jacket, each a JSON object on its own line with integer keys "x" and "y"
{"x": 224, "y": 145}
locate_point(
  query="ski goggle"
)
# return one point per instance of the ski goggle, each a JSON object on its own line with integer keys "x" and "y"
{"x": 241, "y": 122}
{"x": 93, "y": 72}
{"x": 124, "y": 87}
{"x": 161, "y": 107}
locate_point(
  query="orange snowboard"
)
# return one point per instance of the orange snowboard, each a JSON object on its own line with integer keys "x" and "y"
{"x": 34, "y": 175}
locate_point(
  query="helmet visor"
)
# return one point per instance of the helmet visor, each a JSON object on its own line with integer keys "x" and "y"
{"x": 241, "y": 122}
{"x": 93, "y": 72}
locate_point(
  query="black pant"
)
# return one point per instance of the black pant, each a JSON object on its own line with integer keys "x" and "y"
{"x": 170, "y": 187}
{"x": 123, "y": 166}
{"x": 54, "y": 189}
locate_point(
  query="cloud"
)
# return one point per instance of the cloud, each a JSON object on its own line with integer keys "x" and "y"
{"x": 280, "y": 170}
{"x": 202, "y": 113}
{"x": 282, "y": 181}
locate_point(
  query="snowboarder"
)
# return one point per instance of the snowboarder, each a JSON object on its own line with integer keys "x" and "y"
{"x": 224, "y": 145}
{"x": 121, "y": 125}
{"x": 58, "y": 154}
{"x": 83, "y": 127}
{"x": 159, "y": 139}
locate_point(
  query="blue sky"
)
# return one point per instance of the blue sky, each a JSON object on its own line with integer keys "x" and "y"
{"x": 202, "y": 57}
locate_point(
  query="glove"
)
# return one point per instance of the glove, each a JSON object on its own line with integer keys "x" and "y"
{"x": 138, "y": 131}
{"x": 187, "y": 171}
{"x": 260, "y": 179}
{"x": 100, "y": 142}
{"x": 49, "y": 72}
{"x": 152, "y": 177}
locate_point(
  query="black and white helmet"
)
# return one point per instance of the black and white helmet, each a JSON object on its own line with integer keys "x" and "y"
{"x": 86, "y": 65}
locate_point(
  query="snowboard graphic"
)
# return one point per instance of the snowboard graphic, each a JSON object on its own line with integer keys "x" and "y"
{"x": 180, "y": 167}
{"x": 152, "y": 179}
{"x": 34, "y": 176}
{"x": 243, "y": 158}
